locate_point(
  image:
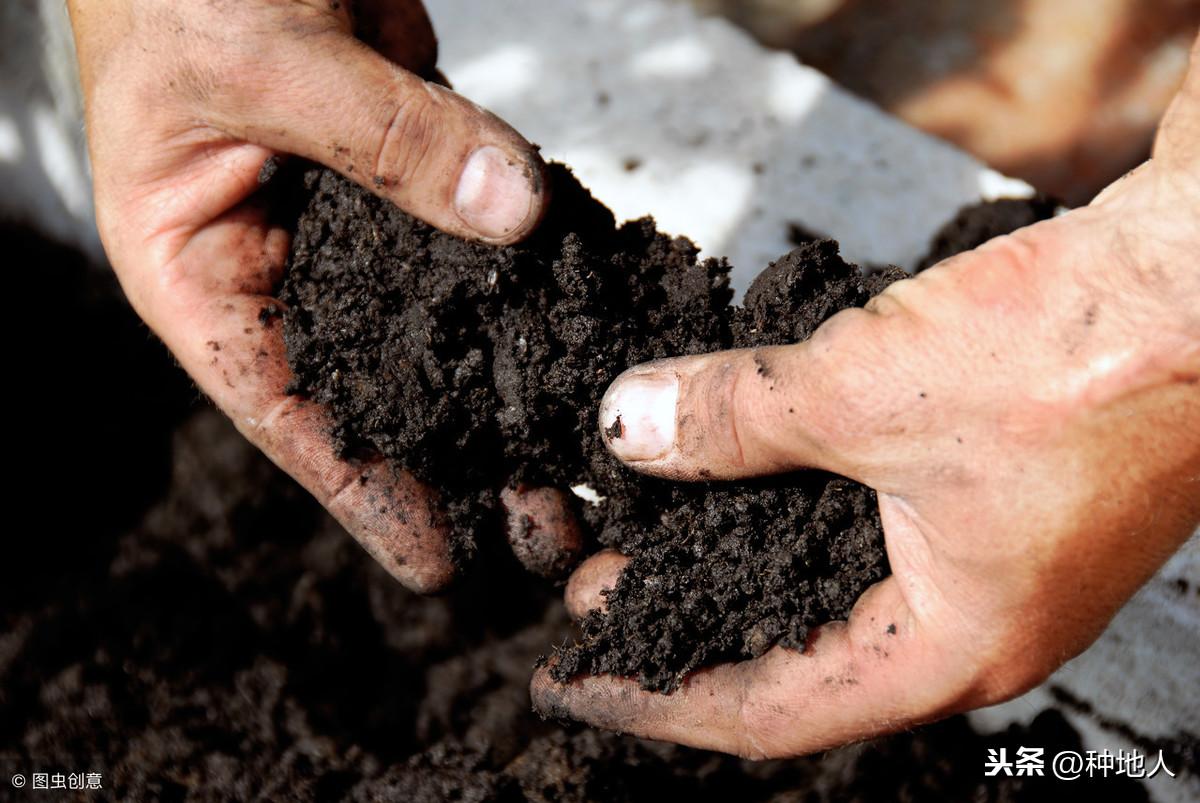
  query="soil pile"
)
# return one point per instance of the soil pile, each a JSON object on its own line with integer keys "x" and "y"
{"x": 479, "y": 367}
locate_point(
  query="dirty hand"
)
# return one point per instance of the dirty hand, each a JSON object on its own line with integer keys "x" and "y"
{"x": 1029, "y": 414}
{"x": 185, "y": 102}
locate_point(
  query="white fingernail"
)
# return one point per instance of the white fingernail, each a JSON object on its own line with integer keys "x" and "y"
{"x": 494, "y": 194}
{"x": 637, "y": 416}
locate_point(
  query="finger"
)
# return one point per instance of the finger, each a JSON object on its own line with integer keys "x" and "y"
{"x": 213, "y": 310}
{"x": 729, "y": 414}
{"x": 542, "y": 530}
{"x": 876, "y": 674}
{"x": 588, "y": 584}
{"x": 433, "y": 153}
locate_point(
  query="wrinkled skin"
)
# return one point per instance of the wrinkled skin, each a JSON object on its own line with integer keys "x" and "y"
{"x": 185, "y": 102}
{"x": 1029, "y": 414}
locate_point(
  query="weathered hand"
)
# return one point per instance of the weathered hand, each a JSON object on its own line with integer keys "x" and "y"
{"x": 1029, "y": 414}
{"x": 185, "y": 102}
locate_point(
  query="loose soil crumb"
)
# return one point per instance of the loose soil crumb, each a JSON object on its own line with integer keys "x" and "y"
{"x": 480, "y": 367}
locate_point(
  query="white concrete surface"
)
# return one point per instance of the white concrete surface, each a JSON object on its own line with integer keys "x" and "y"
{"x": 728, "y": 144}
{"x": 732, "y": 142}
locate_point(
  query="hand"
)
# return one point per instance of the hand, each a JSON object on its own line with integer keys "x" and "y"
{"x": 185, "y": 102}
{"x": 1029, "y": 414}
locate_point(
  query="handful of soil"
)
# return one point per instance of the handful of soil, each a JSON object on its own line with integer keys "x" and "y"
{"x": 479, "y": 367}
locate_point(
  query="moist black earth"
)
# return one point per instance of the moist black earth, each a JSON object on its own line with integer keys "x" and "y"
{"x": 184, "y": 620}
{"x": 974, "y": 225}
{"x": 480, "y": 367}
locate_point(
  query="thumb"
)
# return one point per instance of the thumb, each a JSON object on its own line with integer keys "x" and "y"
{"x": 436, "y": 155}
{"x": 736, "y": 414}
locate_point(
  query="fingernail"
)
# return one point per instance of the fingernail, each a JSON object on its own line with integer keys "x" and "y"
{"x": 494, "y": 196}
{"x": 637, "y": 416}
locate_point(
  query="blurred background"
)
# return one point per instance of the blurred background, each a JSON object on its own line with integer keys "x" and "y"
{"x": 1065, "y": 94}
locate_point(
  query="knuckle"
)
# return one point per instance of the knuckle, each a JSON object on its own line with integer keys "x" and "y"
{"x": 893, "y": 301}
{"x": 848, "y": 390}
{"x": 707, "y": 414}
{"x": 407, "y": 140}
{"x": 1008, "y": 257}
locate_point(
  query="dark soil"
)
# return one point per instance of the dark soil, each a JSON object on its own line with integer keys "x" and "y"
{"x": 976, "y": 224}
{"x": 180, "y": 617}
{"x": 479, "y": 367}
